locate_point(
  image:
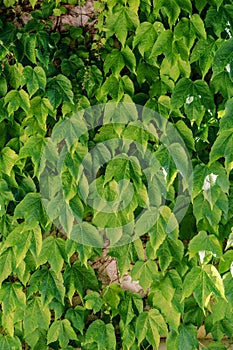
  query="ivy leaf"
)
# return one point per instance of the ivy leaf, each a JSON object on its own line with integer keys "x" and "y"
{"x": 76, "y": 316}
{"x": 15, "y": 99}
{"x": 102, "y": 334}
{"x": 120, "y": 22}
{"x": 3, "y": 86}
{"x": 223, "y": 57}
{"x": 203, "y": 52}
{"x": 56, "y": 260}
{"x": 9, "y": 343}
{"x": 62, "y": 331}
{"x": 49, "y": 284}
{"x": 128, "y": 307}
{"x": 36, "y": 79}
{"x": 172, "y": 10}
{"x": 204, "y": 242}
{"x": 59, "y": 89}
{"x": 33, "y": 148}
{"x": 31, "y": 209}
{"x": 8, "y": 158}
{"x": 12, "y": 298}
{"x": 203, "y": 282}
{"x": 6, "y": 264}
{"x": 145, "y": 36}
{"x": 195, "y": 96}
{"x": 145, "y": 272}
{"x": 79, "y": 278}
{"x": 30, "y": 42}
{"x": 36, "y": 317}
{"x": 166, "y": 297}
{"x": 93, "y": 302}
{"x": 150, "y": 325}
{"x": 222, "y": 147}
{"x": 170, "y": 249}
{"x": 185, "y": 338}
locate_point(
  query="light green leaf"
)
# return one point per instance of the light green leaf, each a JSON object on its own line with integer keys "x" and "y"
{"x": 56, "y": 260}
{"x": 204, "y": 242}
{"x": 101, "y": 334}
{"x": 31, "y": 209}
{"x": 3, "y": 86}
{"x": 120, "y": 22}
{"x": 144, "y": 37}
{"x": 36, "y": 317}
{"x": 9, "y": 343}
{"x": 150, "y": 325}
{"x": 8, "y": 158}
{"x": 204, "y": 282}
{"x": 186, "y": 134}
{"x": 6, "y": 264}
{"x": 198, "y": 25}
{"x": 62, "y": 331}
{"x": 93, "y": 302}
{"x": 145, "y": 272}
{"x": 36, "y": 79}
{"x": 33, "y": 147}
{"x": 222, "y": 147}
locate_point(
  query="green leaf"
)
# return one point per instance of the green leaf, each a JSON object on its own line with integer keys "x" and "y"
{"x": 120, "y": 22}
{"x": 36, "y": 79}
{"x": 203, "y": 52}
{"x": 93, "y": 302}
{"x": 12, "y": 298}
{"x": 195, "y": 96}
{"x": 128, "y": 307}
{"x": 76, "y": 317}
{"x": 186, "y": 338}
{"x": 166, "y": 297}
{"x": 170, "y": 249}
{"x": 171, "y": 8}
{"x": 186, "y": 134}
{"x": 49, "y": 284}
{"x": 145, "y": 36}
{"x": 8, "y": 158}
{"x": 145, "y": 272}
{"x": 150, "y": 325}
{"x": 3, "y": 86}
{"x": 222, "y": 147}
{"x": 204, "y": 242}
{"x": 16, "y": 99}
{"x": 223, "y": 57}
{"x": 79, "y": 278}
{"x": 62, "y": 331}
{"x": 198, "y": 25}
{"x": 102, "y": 334}
{"x": 36, "y": 317}
{"x": 9, "y": 343}
{"x": 56, "y": 260}
{"x": 30, "y": 43}
{"x": 15, "y": 75}
{"x": 59, "y": 89}
{"x": 6, "y": 264}
{"x": 33, "y": 147}
{"x": 31, "y": 209}
{"x": 204, "y": 282}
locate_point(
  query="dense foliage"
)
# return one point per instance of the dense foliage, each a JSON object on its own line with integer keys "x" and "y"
{"x": 176, "y": 58}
